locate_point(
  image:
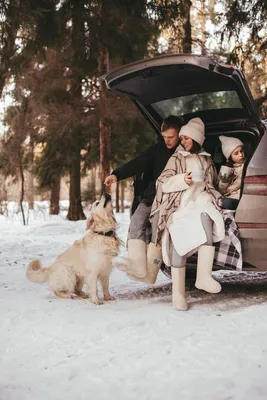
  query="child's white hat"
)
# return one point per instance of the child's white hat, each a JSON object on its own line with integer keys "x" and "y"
{"x": 229, "y": 144}
{"x": 195, "y": 129}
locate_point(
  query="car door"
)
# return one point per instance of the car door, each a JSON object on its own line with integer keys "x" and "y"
{"x": 251, "y": 214}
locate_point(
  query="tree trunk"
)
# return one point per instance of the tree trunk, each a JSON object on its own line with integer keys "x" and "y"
{"x": 54, "y": 196}
{"x": 30, "y": 177}
{"x": 104, "y": 145}
{"x": 22, "y": 179}
{"x": 203, "y": 28}
{"x": 30, "y": 190}
{"x": 92, "y": 186}
{"x": 187, "y": 39}
{"x": 75, "y": 212}
{"x": 122, "y": 196}
{"x": 104, "y": 126}
{"x": 118, "y": 197}
{"x": 9, "y": 33}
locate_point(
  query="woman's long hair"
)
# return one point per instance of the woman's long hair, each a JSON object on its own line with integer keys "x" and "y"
{"x": 196, "y": 148}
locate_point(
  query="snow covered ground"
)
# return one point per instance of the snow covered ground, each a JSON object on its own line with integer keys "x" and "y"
{"x": 134, "y": 348}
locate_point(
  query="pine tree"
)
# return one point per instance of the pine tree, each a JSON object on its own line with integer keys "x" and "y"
{"x": 245, "y": 25}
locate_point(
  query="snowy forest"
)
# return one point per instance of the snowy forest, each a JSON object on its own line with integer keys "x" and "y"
{"x": 57, "y": 118}
{"x": 129, "y": 336}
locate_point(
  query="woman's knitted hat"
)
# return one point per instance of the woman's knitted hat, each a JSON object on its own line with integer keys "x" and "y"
{"x": 195, "y": 129}
{"x": 229, "y": 144}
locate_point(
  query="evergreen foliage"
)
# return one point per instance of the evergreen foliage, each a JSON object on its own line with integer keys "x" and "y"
{"x": 54, "y": 53}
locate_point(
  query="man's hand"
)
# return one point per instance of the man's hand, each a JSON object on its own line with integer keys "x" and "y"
{"x": 188, "y": 178}
{"x": 110, "y": 179}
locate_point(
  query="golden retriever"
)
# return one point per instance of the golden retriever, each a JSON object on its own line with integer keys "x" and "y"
{"x": 86, "y": 261}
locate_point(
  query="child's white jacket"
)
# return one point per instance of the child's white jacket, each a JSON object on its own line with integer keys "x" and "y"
{"x": 232, "y": 189}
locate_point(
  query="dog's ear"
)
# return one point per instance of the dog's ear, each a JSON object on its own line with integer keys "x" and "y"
{"x": 89, "y": 222}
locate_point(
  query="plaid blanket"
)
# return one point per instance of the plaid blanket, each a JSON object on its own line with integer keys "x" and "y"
{"x": 228, "y": 252}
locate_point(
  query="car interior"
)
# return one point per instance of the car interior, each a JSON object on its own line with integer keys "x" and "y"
{"x": 212, "y": 145}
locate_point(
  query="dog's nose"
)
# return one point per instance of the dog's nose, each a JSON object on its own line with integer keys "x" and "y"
{"x": 107, "y": 196}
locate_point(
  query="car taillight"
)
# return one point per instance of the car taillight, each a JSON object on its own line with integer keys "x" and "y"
{"x": 255, "y": 185}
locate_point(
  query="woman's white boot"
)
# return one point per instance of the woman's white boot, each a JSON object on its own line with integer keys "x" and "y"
{"x": 204, "y": 279}
{"x": 179, "y": 302}
{"x": 135, "y": 263}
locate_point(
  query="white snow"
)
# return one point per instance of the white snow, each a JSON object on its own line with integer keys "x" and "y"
{"x": 137, "y": 347}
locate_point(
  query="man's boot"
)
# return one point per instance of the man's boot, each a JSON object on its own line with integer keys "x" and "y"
{"x": 135, "y": 263}
{"x": 154, "y": 261}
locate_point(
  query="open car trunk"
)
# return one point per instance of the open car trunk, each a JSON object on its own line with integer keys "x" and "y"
{"x": 188, "y": 86}
{"x": 192, "y": 86}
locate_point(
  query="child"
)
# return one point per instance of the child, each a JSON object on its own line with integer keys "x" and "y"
{"x": 233, "y": 150}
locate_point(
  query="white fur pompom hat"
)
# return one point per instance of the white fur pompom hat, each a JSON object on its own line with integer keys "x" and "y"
{"x": 229, "y": 144}
{"x": 195, "y": 129}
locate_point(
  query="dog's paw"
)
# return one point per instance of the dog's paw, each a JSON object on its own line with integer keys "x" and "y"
{"x": 109, "y": 298}
{"x": 82, "y": 295}
{"x": 96, "y": 302}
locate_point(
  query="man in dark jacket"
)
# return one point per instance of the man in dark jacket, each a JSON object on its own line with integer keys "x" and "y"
{"x": 150, "y": 164}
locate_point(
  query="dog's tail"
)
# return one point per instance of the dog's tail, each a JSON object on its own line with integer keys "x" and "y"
{"x": 37, "y": 274}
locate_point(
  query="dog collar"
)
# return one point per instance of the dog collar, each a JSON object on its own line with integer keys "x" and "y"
{"x": 109, "y": 233}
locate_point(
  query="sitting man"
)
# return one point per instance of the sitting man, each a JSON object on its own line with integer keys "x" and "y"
{"x": 151, "y": 162}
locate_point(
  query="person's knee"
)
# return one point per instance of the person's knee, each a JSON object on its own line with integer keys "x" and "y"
{"x": 139, "y": 223}
{"x": 208, "y": 227}
{"x": 177, "y": 261}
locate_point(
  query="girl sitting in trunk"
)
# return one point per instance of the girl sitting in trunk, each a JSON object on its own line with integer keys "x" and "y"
{"x": 230, "y": 177}
{"x": 186, "y": 213}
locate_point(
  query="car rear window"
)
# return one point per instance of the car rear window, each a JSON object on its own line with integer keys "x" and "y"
{"x": 197, "y": 102}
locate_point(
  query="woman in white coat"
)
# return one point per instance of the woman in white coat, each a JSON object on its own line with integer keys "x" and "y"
{"x": 186, "y": 213}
